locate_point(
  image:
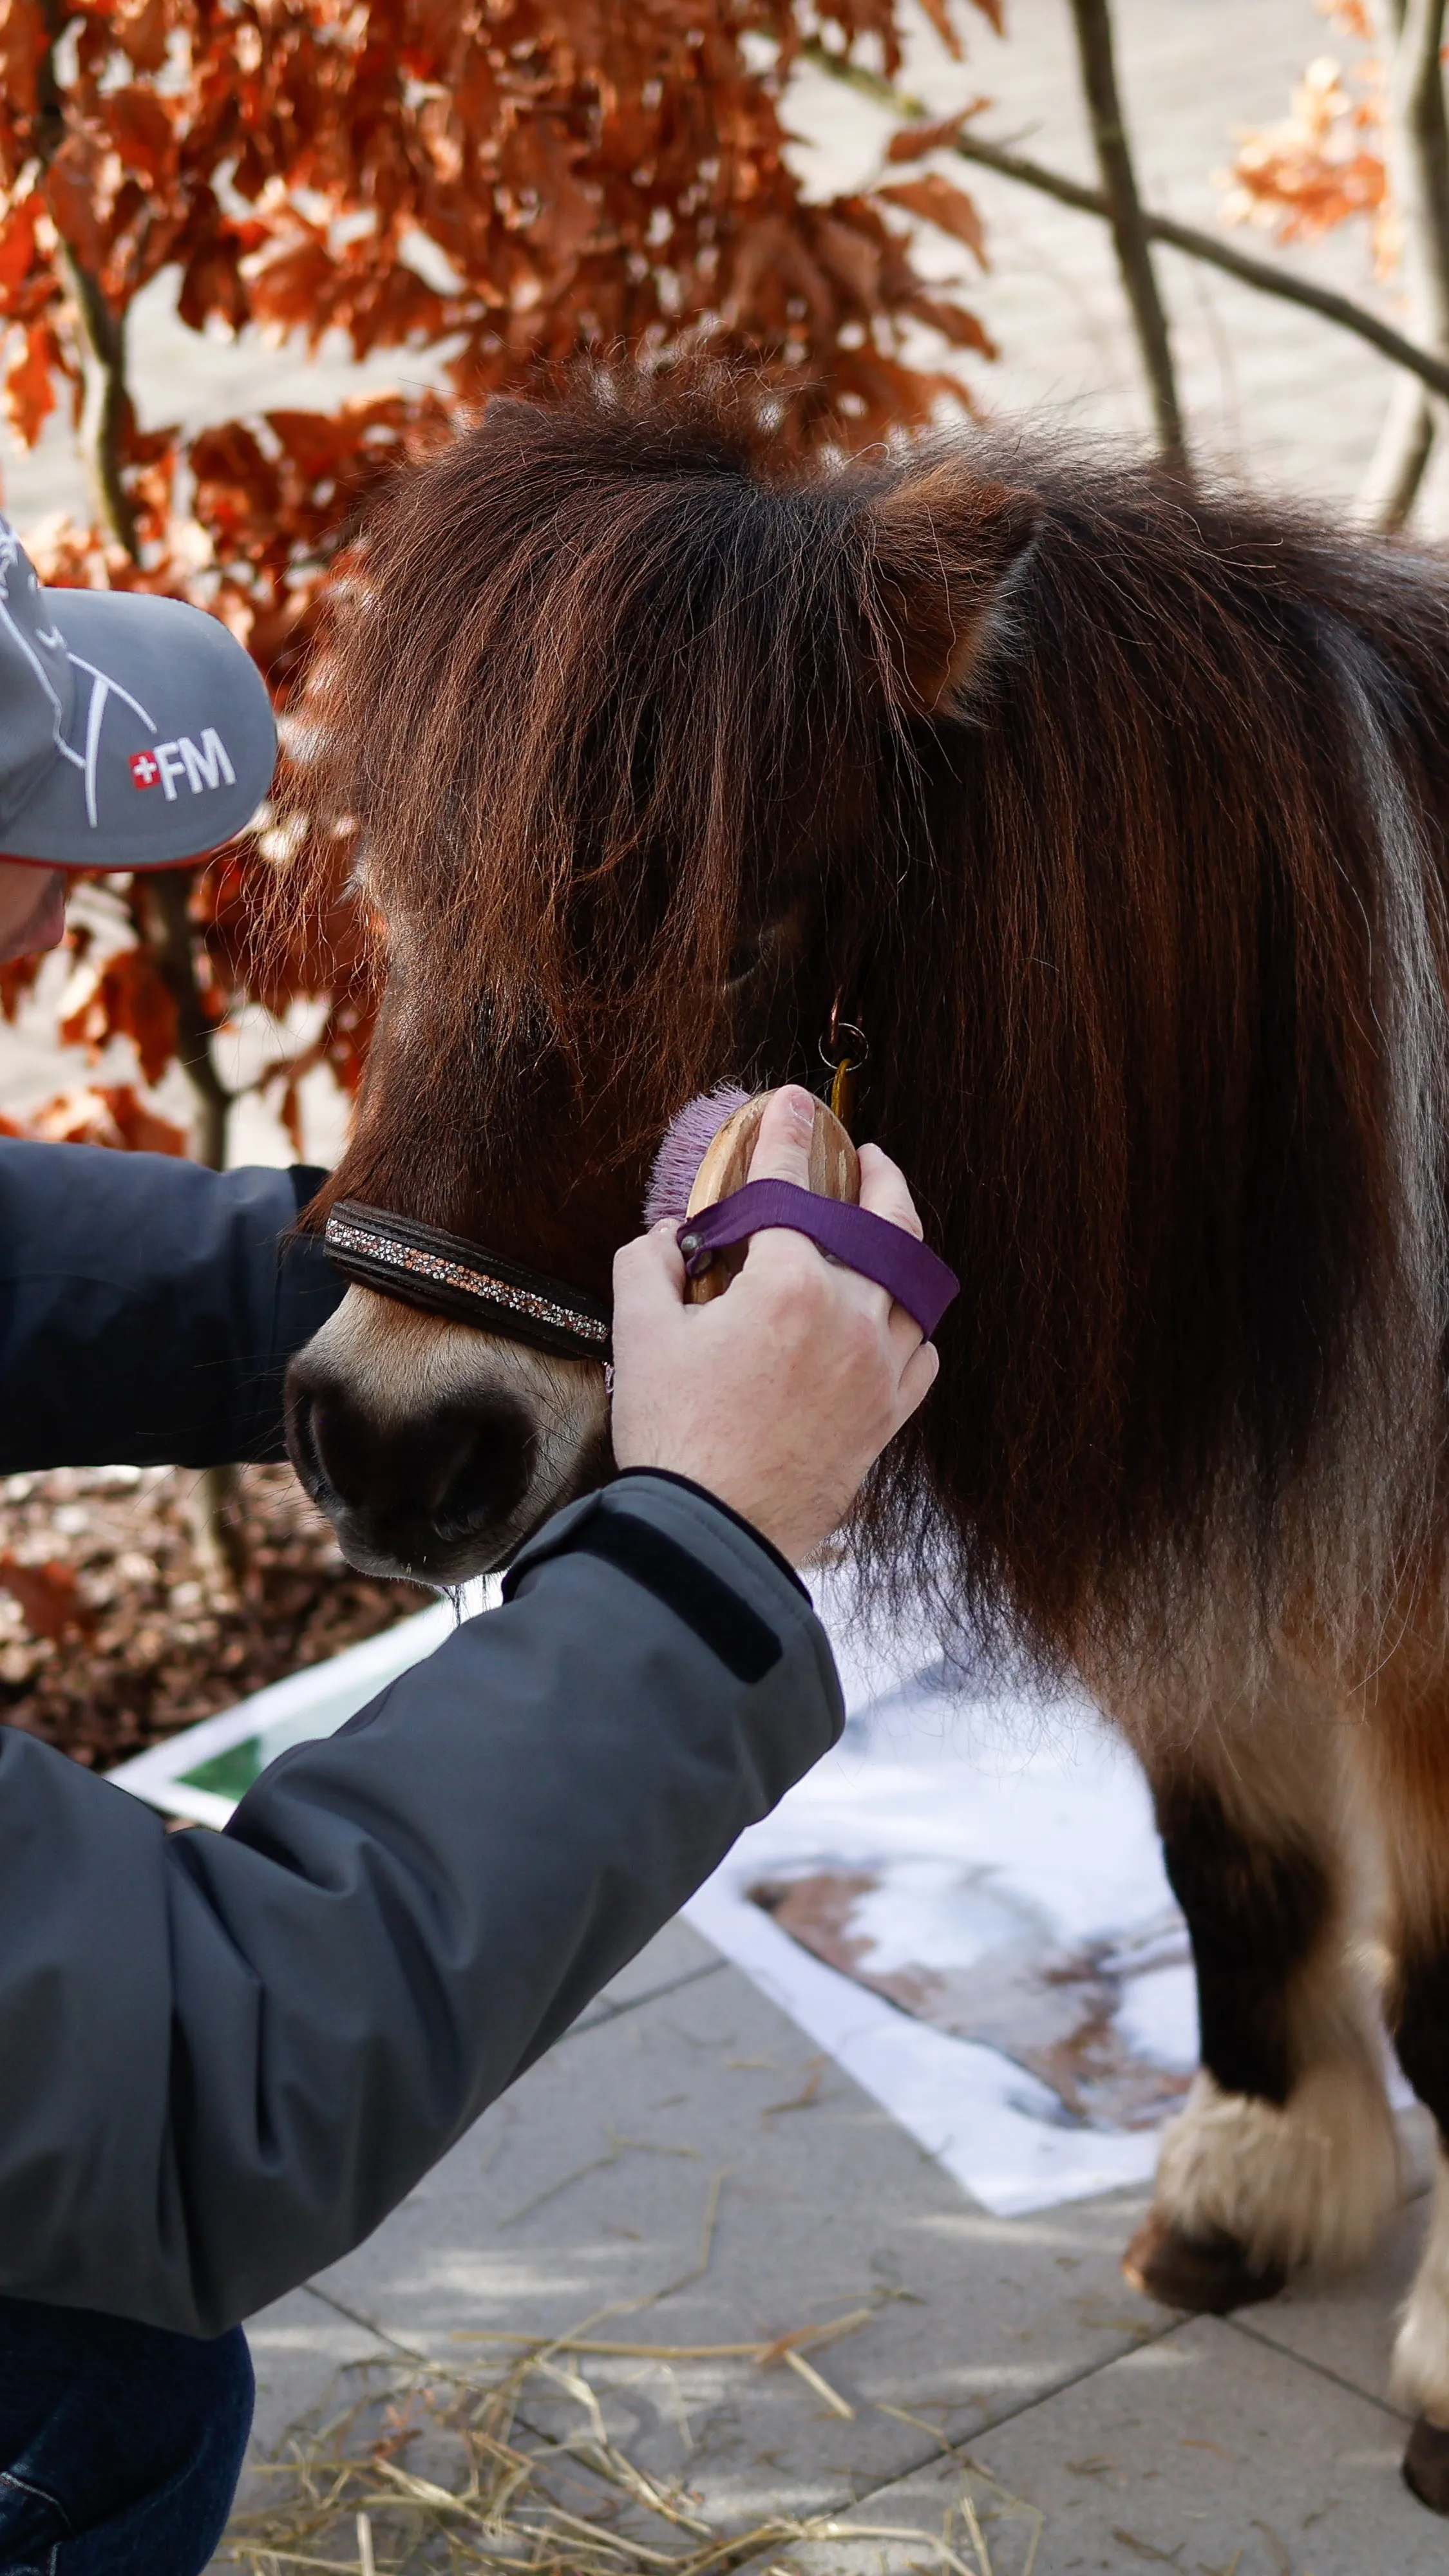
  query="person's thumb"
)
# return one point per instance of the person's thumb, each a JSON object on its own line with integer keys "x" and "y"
{"x": 782, "y": 1146}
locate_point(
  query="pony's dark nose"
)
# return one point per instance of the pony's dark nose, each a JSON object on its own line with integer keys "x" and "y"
{"x": 407, "y": 1495}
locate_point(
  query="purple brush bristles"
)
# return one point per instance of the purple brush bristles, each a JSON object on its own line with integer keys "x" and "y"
{"x": 685, "y": 1143}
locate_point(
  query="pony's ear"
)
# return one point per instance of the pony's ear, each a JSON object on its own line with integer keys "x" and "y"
{"x": 944, "y": 547}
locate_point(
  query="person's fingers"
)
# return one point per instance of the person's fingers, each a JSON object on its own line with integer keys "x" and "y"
{"x": 782, "y": 1142}
{"x": 649, "y": 1275}
{"x": 917, "y": 1378}
{"x": 883, "y": 1190}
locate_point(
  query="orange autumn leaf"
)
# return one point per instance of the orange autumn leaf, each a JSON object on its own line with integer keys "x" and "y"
{"x": 955, "y": 324}
{"x": 126, "y": 997}
{"x": 1323, "y": 164}
{"x": 141, "y": 28}
{"x": 141, "y": 131}
{"x": 29, "y": 384}
{"x": 17, "y": 243}
{"x": 49, "y": 1596}
{"x": 102, "y": 1113}
{"x": 913, "y": 142}
{"x": 940, "y": 18}
{"x": 939, "y": 201}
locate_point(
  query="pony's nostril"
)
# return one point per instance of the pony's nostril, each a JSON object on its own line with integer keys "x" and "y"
{"x": 489, "y": 1476}
{"x": 412, "y": 1470}
{"x": 437, "y": 1475}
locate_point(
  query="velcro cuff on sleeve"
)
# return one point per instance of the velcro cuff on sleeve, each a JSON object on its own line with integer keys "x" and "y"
{"x": 744, "y": 1642}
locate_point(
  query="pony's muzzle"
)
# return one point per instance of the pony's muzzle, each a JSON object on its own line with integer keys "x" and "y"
{"x": 421, "y": 1496}
{"x": 435, "y": 1449}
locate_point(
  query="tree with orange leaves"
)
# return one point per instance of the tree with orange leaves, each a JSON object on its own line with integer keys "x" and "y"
{"x": 1371, "y": 142}
{"x": 503, "y": 179}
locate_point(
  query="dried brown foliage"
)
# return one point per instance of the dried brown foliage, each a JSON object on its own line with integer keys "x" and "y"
{"x": 1324, "y": 164}
{"x": 114, "y": 1629}
{"x": 510, "y": 183}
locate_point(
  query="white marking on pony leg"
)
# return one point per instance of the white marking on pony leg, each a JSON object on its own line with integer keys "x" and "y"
{"x": 1310, "y": 2183}
{"x": 1420, "y": 2376}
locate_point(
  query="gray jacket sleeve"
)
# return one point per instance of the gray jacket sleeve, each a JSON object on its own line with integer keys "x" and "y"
{"x": 225, "y": 2057}
{"x": 148, "y": 1308}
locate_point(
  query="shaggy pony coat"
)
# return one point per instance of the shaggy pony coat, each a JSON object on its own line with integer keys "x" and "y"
{"x": 1115, "y": 816}
{"x": 1117, "y": 820}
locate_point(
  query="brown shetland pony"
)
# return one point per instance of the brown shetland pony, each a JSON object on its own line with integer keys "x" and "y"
{"x": 1117, "y": 820}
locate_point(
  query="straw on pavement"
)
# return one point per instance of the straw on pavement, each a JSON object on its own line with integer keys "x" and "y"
{"x": 441, "y": 2472}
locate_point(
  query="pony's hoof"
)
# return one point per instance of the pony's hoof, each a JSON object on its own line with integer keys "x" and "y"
{"x": 1426, "y": 2465}
{"x": 1210, "y": 2275}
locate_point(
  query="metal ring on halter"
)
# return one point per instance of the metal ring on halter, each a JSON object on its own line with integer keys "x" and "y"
{"x": 830, "y": 1046}
{"x": 844, "y": 1068}
{"x": 419, "y": 1265}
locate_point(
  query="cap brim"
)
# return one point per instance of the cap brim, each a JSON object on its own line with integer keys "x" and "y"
{"x": 173, "y": 744}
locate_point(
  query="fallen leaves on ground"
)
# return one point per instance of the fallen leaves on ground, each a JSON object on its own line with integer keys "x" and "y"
{"x": 115, "y": 1628}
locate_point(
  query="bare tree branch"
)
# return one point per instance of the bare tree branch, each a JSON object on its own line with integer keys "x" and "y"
{"x": 1261, "y": 274}
{"x": 1093, "y": 23}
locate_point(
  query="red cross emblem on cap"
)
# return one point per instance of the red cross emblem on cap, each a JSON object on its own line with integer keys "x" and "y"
{"x": 145, "y": 769}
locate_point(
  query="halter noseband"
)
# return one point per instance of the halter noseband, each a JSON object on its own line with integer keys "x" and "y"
{"x": 422, "y": 1266}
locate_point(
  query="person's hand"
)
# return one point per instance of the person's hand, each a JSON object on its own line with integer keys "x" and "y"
{"x": 780, "y": 1394}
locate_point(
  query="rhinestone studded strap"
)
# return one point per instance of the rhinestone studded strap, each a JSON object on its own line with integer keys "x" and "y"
{"x": 420, "y": 1265}
{"x": 916, "y": 1278}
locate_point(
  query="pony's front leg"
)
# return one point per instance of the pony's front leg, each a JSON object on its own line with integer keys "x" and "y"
{"x": 1286, "y": 2152}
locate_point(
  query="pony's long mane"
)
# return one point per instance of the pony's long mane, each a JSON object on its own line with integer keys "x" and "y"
{"x": 1143, "y": 916}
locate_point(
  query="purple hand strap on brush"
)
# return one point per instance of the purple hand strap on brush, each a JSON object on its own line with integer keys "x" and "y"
{"x": 895, "y": 1260}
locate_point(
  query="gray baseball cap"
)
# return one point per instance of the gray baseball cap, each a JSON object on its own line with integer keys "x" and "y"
{"x": 134, "y": 732}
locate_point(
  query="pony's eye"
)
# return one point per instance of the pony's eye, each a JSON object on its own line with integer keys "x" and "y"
{"x": 750, "y": 954}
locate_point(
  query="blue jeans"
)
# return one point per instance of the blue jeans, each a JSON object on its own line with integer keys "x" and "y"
{"x": 120, "y": 2445}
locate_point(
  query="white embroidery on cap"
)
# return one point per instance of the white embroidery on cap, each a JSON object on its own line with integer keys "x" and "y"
{"x": 102, "y": 686}
{"x": 11, "y": 554}
{"x": 206, "y": 767}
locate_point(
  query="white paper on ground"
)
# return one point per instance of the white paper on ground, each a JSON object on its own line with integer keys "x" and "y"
{"x": 313, "y": 1702}
{"x": 936, "y": 1790}
{"x": 1042, "y": 1796}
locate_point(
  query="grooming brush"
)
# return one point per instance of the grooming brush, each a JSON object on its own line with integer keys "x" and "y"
{"x": 705, "y": 1157}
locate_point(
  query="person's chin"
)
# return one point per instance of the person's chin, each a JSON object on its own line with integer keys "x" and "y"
{"x": 44, "y": 926}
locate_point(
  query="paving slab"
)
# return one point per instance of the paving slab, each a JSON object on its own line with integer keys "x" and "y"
{"x": 689, "y": 2174}
{"x": 1346, "y": 2327}
{"x": 1205, "y": 2451}
{"x": 307, "y": 2357}
{"x": 673, "y": 1958}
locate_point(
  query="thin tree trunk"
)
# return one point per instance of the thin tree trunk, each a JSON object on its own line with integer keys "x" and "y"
{"x": 1093, "y": 22}
{"x": 105, "y": 403}
{"x": 101, "y": 332}
{"x": 1417, "y": 152}
{"x": 105, "y": 410}
{"x": 216, "y": 1506}
{"x": 216, "y": 1514}
{"x": 166, "y": 898}
{"x": 1400, "y": 460}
